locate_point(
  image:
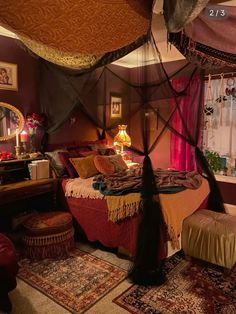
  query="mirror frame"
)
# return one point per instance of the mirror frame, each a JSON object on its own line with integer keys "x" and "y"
{"x": 21, "y": 121}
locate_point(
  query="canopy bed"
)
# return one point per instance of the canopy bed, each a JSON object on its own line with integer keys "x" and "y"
{"x": 94, "y": 213}
{"x": 67, "y": 84}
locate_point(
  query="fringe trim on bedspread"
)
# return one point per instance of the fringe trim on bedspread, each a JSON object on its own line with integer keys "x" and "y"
{"x": 120, "y": 207}
{"x": 77, "y": 188}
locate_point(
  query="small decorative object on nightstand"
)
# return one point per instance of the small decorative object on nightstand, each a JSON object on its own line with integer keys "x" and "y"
{"x": 24, "y": 139}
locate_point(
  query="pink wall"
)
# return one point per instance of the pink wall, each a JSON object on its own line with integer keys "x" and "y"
{"x": 26, "y": 98}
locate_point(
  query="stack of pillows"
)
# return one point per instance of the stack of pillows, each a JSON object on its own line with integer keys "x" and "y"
{"x": 85, "y": 160}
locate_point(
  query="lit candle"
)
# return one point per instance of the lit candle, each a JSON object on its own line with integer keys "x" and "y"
{"x": 8, "y": 131}
{"x": 23, "y": 136}
{"x": 17, "y": 137}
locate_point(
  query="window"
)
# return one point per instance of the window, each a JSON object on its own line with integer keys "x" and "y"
{"x": 220, "y": 119}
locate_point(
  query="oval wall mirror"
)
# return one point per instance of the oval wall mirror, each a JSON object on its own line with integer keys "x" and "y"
{"x": 10, "y": 119}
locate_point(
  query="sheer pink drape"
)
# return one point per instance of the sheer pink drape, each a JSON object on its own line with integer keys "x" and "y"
{"x": 182, "y": 154}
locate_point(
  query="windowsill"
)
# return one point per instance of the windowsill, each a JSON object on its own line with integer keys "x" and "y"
{"x": 227, "y": 179}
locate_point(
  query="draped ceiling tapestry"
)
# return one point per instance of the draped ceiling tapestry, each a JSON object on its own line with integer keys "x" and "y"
{"x": 76, "y": 33}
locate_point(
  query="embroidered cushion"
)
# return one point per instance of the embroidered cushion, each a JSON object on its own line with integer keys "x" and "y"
{"x": 56, "y": 163}
{"x": 110, "y": 164}
{"x": 118, "y": 162}
{"x": 104, "y": 165}
{"x": 48, "y": 223}
{"x": 48, "y": 235}
{"x": 65, "y": 159}
{"x": 85, "y": 166}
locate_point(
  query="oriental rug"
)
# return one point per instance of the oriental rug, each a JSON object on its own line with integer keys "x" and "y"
{"x": 192, "y": 287}
{"x": 76, "y": 283}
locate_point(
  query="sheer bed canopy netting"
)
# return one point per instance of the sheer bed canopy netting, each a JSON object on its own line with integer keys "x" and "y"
{"x": 75, "y": 72}
{"x": 141, "y": 90}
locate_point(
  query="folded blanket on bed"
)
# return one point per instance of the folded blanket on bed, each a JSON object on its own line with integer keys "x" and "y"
{"x": 122, "y": 206}
{"x": 78, "y": 187}
{"x": 130, "y": 181}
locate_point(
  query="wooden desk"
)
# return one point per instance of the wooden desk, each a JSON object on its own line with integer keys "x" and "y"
{"x": 25, "y": 189}
{"x": 15, "y": 170}
{"x": 26, "y": 196}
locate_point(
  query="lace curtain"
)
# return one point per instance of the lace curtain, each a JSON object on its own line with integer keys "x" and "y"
{"x": 220, "y": 116}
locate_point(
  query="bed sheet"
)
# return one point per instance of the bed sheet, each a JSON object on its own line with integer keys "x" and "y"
{"x": 92, "y": 216}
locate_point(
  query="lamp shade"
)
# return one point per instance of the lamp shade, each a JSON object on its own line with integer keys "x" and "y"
{"x": 122, "y": 138}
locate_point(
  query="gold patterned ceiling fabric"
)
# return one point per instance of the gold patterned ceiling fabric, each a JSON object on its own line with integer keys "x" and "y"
{"x": 88, "y": 27}
{"x": 65, "y": 59}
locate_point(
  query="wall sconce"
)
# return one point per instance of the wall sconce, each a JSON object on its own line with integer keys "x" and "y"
{"x": 122, "y": 138}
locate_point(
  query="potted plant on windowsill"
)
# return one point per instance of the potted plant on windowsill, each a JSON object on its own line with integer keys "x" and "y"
{"x": 214, "y": 160}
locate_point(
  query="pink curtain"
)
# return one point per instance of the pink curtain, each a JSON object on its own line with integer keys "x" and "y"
{"x": 182, "y": 154}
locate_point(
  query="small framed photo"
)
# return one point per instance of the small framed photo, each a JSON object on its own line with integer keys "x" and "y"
{"x": 116, "y": 106}
{"x": 8, "y": 76}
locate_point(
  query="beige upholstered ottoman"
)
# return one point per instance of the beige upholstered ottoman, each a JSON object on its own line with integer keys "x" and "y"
{"x": 48, "y": 235}
{"x": 210, "y": 236}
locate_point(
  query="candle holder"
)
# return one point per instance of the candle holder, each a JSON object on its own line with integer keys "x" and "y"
{"x": 23, "y": 139}
{"x": 24, "y": 148}
{"x": 17, "y": 148}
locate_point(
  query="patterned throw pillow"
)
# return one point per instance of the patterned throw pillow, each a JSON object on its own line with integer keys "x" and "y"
{"x": 65, "y": 159}
{"x": 109, "y": 164}
{"x": 56, "y": 163}
{"x": 84, "y": 166}
{"x": 104, "y": 165}
{"x": 118, "y": 162}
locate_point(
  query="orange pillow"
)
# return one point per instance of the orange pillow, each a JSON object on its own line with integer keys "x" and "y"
{"x": 104, "y": 165}
{"x": 119, "y": 162}
{"x": 84, "y": 166}
{"x": 109, "y": 164}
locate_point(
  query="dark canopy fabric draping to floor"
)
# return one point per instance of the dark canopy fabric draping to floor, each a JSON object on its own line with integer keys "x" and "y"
{"x": 112, "y": 29}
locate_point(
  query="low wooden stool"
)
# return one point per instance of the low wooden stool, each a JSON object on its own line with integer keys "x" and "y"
{"x": 210, "y": 236}
{"x": 48, "y": 235}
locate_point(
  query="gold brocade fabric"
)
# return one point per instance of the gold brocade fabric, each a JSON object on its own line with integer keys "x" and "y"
{"x": 78, "y": 27}
{"x": 70, "y": 60}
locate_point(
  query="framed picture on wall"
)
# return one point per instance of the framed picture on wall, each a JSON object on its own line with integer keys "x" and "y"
{"x": 8, "y": 76}
{"x": 115, "y": 106}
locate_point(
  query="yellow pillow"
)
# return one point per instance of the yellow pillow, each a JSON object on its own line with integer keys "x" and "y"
{"x": 84, "y": 166}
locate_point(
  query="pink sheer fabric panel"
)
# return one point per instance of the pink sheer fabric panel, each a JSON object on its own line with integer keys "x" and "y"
{"x": 182, "y": 155}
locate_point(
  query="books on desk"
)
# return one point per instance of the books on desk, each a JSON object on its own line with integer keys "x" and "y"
{"x": 39, "y": 169}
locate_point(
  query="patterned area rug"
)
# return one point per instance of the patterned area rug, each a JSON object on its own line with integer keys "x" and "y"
{"x": 76, "y": 283}
{"x": 192, "y": 287}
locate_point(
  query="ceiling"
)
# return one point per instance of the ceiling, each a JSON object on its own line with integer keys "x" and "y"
{"x": 142, "y": 55}
{"x": 160, "y": 35}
